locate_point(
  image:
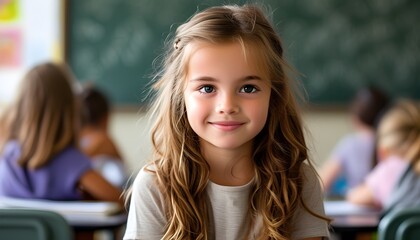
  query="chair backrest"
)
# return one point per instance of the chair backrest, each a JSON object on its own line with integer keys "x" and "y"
{"x": 23, "y": 224}
{"x": 400, "y": 225}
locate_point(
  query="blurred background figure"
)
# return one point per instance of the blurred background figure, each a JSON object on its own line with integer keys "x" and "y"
{"x": 395, "y": 182}
{"x": 39, "y": 154}
{"x": 95, "y": 139}
{"x": 354, "y": 155}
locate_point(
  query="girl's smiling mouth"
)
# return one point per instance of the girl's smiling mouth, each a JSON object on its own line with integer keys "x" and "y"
{"x": 227, "y": 125}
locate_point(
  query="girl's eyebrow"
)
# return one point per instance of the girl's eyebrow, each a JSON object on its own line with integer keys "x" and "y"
{"x": 252, "y": 77}
{"x": 211, "y": 79}
{"x": 203, "y": 79}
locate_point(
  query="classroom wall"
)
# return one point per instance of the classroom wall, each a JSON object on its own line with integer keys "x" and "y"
{"x": 130, "y": 131}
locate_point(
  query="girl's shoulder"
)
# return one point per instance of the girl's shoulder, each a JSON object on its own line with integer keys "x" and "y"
{"x": 357, "y": 138}
{"x": 73, "y": 151}
{"x": 12, "y": 145}
{"x": 311, "y": 183}
{"x": 386, "y": 168}
{"x": 146, "y": 178}
{"x": 11, "y": 150}
{"x": 309, "y": 171}
{"x": 145, "y": 187}
{"x": 71, "y": 157}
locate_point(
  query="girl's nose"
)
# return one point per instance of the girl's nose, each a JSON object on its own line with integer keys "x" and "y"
{"x": 227, "y": 105}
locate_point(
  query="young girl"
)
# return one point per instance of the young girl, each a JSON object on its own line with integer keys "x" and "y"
{"x": 229, "y": 149}
{"x": 39, "y": 155}
{"x": 398, "y": 147}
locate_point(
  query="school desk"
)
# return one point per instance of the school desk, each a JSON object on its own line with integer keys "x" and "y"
{"x": 81, "y": 215}
{"x": 349, "y": 220}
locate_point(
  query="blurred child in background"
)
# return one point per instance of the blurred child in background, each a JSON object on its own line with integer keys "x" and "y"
{"x": 399, "y": 153}
{"x": 95, "y": 140}
{"x": 354, "y": 156}
{"x": 39, "y": 155}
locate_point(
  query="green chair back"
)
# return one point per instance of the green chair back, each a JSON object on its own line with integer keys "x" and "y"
{"x": 34, "y": 224}
{"x": 400, "y": 225}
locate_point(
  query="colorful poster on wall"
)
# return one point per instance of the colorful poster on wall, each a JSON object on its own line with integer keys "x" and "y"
{"x": 10, "y": 48}
{"x": 29, "y": 33}
{"x": 9, "y": 10}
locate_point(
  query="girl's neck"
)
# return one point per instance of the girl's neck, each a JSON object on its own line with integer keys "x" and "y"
{"x": 229, "y": 167}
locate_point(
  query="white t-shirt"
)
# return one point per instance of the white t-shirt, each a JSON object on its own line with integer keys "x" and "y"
{"x": 229, "y": 208}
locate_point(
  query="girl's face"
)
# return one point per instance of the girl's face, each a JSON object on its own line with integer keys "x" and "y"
{"x": 226, "y": 96}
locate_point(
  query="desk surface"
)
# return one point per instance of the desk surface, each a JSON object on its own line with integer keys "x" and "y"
{"x": 365, "y": 223}
{"x": 350, "y": 220}
{"x": 344, "y": 208}
{"x": 95, "y": 221}
{"x": 79, "y": 214}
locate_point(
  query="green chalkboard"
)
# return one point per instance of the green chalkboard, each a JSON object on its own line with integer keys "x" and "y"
{"x": 338, "y": 46}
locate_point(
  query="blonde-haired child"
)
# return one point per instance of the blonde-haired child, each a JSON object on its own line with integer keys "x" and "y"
{"x": 39, "y": 154}
{"x": 401, "y": 135}
{"x": 229, "y": 150}
{"x": 398, "y": 140}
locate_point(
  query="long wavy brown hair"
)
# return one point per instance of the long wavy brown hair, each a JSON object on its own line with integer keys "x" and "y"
{"x": 279, "y": 150}
{"x": 43, "y": 117}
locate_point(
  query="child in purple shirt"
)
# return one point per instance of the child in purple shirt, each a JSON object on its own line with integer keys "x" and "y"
{"x": 53, "y": 181}
{"x": 39, "y": 156}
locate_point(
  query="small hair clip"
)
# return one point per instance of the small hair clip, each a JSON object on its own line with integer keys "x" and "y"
{"x": 176, "y": 43}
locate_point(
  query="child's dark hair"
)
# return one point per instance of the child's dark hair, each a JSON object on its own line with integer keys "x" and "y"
{"x": 95, "y": 105}
{"x": 369, "y": 104}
